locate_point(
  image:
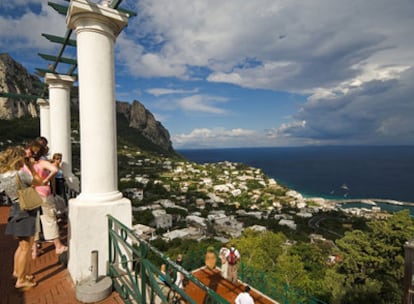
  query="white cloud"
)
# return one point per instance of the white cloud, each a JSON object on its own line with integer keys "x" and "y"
{"x": 17, "y": 3}
{"x": 353, "y": 60}
{"x": 293, "y": 44}
{"x": 375, "y": 112}
{"x": 202, "y": 103}
{"x": 24, "y": 32}
{"x": 163, "y": 91}
{"x": 140, "y": 63}
{"x": 205, "y": 137}
{"x": 230, "y": 138}
{"x": 269, "y": 75}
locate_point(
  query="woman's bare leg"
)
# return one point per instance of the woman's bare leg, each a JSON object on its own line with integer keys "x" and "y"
{"x": 22, "y": 258}
{"x": 28, "y": 256}
{"x": 16, "y": 257}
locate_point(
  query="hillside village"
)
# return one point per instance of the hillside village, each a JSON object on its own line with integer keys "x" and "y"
{"x": 174, "y": 198}
{"x": 210, "y": 200}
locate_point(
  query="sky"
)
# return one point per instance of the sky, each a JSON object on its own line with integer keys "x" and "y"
{"x": 242, "y": 73}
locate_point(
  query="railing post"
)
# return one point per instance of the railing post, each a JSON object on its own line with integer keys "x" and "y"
{"x": 94, "y": 265}
{"x": 143, "y": 275}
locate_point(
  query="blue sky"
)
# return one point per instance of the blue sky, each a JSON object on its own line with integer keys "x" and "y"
{"x": 241, "y": 73}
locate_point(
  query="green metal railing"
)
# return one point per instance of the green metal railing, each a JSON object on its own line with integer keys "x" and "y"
{"x": 137, "y": 279}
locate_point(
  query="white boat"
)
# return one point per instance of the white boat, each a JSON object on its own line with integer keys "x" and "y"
{"x": 345, "y": 187}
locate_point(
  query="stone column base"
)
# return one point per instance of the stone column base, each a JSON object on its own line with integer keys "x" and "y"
{"x": 88, "y": 231}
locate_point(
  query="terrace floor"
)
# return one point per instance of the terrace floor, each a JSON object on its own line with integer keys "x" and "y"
{"x": 55, "y": 284}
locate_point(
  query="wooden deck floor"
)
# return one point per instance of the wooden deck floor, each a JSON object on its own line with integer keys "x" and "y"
{"x": 54, "y": 282}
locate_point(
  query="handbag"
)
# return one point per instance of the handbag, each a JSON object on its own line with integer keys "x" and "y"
{"x": 60, "y": 205}
{"x": 29, "y": 199}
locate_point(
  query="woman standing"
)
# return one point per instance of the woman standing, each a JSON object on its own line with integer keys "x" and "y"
{"x": 47, "y": 171}
{"x": 21, "y": 224}
{"x": 224, "y": 266}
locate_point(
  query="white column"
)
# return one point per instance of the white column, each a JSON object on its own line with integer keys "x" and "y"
{"x": 96, "y": 29}
{"x": 44, "y": 118}
{"x": 60, "y": 132}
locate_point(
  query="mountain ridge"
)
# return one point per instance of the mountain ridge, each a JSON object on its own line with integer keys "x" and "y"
{"x": 17, "y": 81}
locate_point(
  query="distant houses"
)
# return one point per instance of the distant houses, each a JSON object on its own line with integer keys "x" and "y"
{"x": 221, "y": 184}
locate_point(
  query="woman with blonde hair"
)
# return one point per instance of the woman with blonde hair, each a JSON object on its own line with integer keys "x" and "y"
{"x": 21, "y": 224}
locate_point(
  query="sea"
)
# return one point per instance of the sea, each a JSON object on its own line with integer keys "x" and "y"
{"x": 331, "y": 172}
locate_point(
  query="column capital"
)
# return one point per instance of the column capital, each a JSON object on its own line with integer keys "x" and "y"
{"x": 81, "y": 11}
{"x": 59, "y": 79}
{"x": 42, "y": 102}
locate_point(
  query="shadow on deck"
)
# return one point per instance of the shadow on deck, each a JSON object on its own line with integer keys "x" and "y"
{"x": 54, "y": 282}
{"x": 56, "y": 286}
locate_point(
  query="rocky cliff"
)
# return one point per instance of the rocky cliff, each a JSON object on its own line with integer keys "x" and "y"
{"x": 14, "y": 78}
{"x": 141, "y": 119}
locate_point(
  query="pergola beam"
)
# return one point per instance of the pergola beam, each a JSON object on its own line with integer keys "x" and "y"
{"x": 61, "y": 9}
{"x": 60, "y": 40}
{"x": 128, "y": 12}
{"x": 18, "y": 96}
{"x": 61, "y": 59}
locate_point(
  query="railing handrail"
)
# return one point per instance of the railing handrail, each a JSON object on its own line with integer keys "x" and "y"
{"x": 130, "y": 252}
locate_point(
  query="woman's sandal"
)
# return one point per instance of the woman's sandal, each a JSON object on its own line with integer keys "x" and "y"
{"x": 35, "y": 254}
{"x": 36, "y": 251}
{"x": 26, "y": 285}
{"x": 28, "y": 277}
{"x": 61, "y": 250}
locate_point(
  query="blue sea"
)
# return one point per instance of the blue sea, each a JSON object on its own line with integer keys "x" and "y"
{"x": 383, "y": 172}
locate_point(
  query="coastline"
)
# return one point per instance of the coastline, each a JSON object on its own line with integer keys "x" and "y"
{"x": 371, "y": 201}
{"x": 387, "y": 205}
{"x": 330, "y": 172}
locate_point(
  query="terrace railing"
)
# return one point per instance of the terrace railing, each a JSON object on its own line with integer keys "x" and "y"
{"x": 137, "y": 279}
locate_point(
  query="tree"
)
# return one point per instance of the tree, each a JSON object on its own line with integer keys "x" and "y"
{"x": 373, "y": 261}
{"x": 292, "y": 274}
{"x": 260, "y": 250}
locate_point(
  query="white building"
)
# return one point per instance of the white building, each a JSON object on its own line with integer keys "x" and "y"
{"x": 289, "y": 223}
{"x": 196, "y": 221}
{"x": 162, "y": 219}
{"x": 258, "y": 228}
{"x": 144, "y": 231}
{"x": 185, "y": 233}
{"x": 228, "y": 225}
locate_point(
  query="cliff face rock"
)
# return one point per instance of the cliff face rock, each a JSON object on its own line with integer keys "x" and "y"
{"x": 14, "y": 78}
{"x": 141, "y": 119}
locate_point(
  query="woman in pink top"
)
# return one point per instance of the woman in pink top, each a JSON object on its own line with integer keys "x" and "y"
{"x": 47, "y": 171}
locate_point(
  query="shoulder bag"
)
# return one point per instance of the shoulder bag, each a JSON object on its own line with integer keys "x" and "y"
{"x": 29, "y": 199}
